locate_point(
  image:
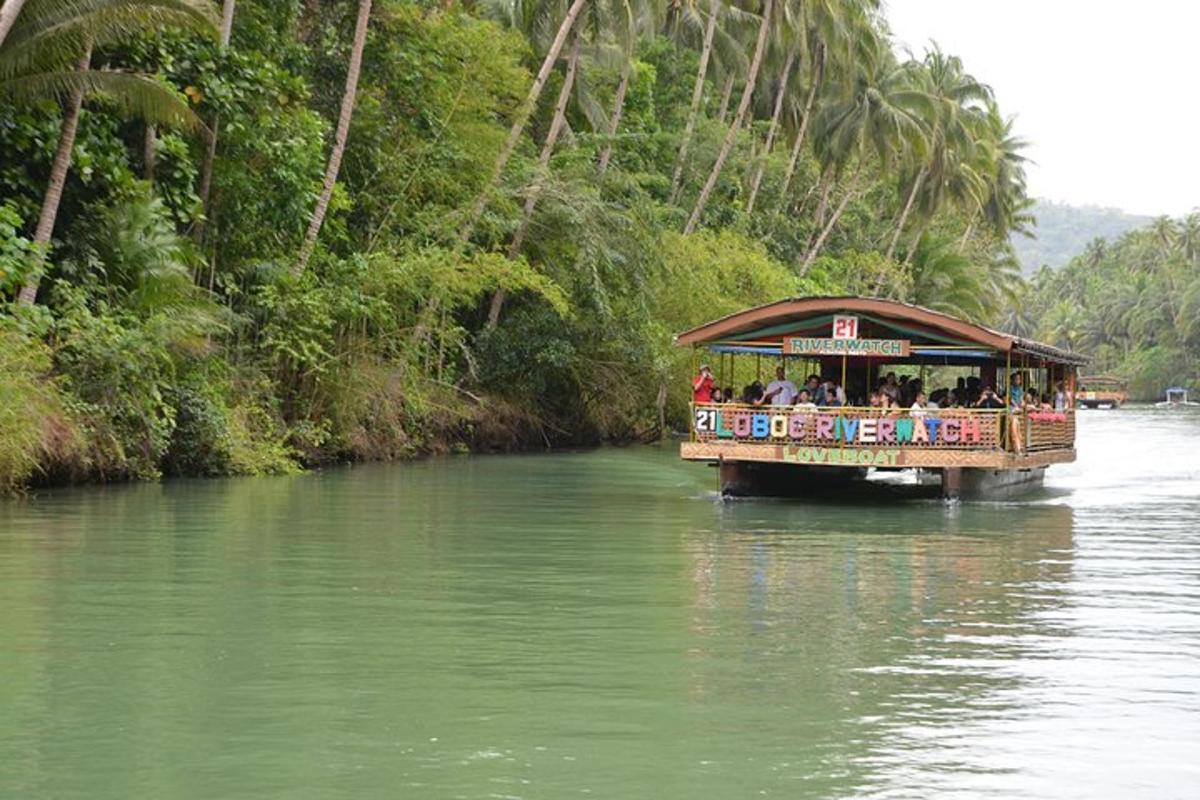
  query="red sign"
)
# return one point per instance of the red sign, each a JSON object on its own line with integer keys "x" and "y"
{"x": 845, "y": 327}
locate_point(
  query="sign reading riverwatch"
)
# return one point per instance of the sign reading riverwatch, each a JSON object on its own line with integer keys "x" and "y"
{"x": 872, "y": 348}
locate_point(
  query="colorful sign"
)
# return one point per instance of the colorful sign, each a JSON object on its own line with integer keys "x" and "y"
{"x": 892, "y": 429}
{"x": 845, "y": 327}
{"x": 850, "y": 457}
{"x": 871, "y": 348}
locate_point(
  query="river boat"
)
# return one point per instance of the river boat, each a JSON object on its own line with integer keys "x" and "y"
{"x": 802, "y": 451}
{"x": 1101, "y": 391}
{"x": 1176, "y": 397}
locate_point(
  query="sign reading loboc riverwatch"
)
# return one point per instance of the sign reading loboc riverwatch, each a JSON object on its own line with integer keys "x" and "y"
{"x": 872, "y": 348}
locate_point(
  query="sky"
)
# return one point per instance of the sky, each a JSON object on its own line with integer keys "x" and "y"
{"x": 1104, "y": 91}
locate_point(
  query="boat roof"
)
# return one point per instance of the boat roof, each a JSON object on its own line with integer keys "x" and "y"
{"x": 1176, "y": 389}
{"x": 1101, "y": 379}
{"x": 806, "y": 315}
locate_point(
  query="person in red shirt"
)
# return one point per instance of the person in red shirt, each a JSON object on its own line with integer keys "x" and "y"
{"x": 702, "y": 385}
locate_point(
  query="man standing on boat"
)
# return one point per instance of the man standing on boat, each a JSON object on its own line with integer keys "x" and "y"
{"x": 702, "y": 385}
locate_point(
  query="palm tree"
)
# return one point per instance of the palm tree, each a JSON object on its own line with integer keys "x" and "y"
{"x": 780, "y": 93}
{"x": 46, "y": 52}
{"x": 957, "y": 104}
{"x": 339, "y": 139}
{"x": 760, "y": 45}
{"x": 710, "y": 30}
{"x": 556, "y": 126}
{"x": 210, "y": 152}
{"x": 877, "y": 117}
{"x": 521, "y": 118}
{"x": 628, "y": 20}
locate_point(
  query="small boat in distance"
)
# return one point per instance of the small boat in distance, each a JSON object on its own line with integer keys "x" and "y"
{"x": 1176, "y": 398}
{"x": 1101, "y": 391}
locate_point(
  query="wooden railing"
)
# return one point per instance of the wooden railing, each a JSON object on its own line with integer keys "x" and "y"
{"x": 947, "y": 428}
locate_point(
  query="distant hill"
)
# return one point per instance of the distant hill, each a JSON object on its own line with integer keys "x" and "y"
{"x": 1063, "y": 231}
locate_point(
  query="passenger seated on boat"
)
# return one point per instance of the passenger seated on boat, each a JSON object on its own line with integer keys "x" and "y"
{"x": 781, "y": 391}
{"x": 1061, "y": 400}
{"x": 988, "y": 399}
{"x": 804, "y": 400}
{"x": 918, "y": 406}
{"x": 973, "y": 392}
{"x": 954, "y": 399}
{"x": 729, "y": 395}
{"x": 718, "y": 396}
{"x": 890, "y": 388}
{"x": 832, "y": 396}
{"x": 752, "y": 394}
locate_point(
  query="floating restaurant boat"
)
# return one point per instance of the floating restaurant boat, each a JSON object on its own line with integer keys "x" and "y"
{"x": 1101, "y": 391}
{"x": 1176, "y": 397}
{"x": 798, "y": 451}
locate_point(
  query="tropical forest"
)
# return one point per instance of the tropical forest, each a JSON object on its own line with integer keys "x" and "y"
{"x": 264, "y": 235}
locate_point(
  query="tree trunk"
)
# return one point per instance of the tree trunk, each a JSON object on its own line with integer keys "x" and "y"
{"x": 339, "y": 139}
{"x": 615, "y": 121}
{"x": 58, "y": 179}
{"x": 9, "y": 11}
{"x": 816, "y": 248}
{"x": 697, "y": 95}
{"x": 730, "y": 136}
{"x": 826, "y": 181}
{"x": 210, "y": 148}
{"x": 912, "y": 198}
{"x": 543, "y": 168}
{"x": 967, "y": 233}
{"x": 522, "y": 117}
{"x": 148, "y": 153}
{"x": 726, "y": 94}
{"x": 808, "y": 107}
{"x": 758, "y": 174}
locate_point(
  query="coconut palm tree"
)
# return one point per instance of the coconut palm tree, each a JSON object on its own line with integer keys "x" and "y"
{"x": 349, "y": 96}
{"x": 525, "y": 110}
{"x": 760, "y": 46}
{"x": 878, "y": 116}
{"x": 47, "y": 51}
{"x": 957, "y": 107}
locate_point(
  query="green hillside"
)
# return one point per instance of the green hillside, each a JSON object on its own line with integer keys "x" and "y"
{"x": 1063, "y": 231}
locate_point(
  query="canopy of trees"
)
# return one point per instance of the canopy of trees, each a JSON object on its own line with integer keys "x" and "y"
{"x": 246, "y": 238}
{"x": 1132, "y": 304}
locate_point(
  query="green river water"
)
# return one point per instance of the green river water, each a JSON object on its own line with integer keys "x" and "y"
{"x": 597, "y": 624}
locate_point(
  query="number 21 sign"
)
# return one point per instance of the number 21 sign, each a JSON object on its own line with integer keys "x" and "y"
{"x": 845, "y": 327}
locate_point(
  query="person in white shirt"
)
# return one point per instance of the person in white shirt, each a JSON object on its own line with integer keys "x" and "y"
{"x": 918, "y": 406}
{"x": 781, "y": 391}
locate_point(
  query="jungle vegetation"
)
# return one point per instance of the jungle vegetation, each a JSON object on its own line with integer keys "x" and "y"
{"x": 1132, "y": 304}
{"x": 252, "y": 237}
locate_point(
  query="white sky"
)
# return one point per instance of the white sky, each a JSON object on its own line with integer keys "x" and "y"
{"x": 1105, "y": 91}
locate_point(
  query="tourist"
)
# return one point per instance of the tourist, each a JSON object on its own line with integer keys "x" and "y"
{"x": 1062, "y": 401}
{"x": 730, "y": 397}
{"x": 718, "y": 396}
{"x": 813, "y": 386}
{"x": 833, "y": 396}
{"x": 988, "y": 399}
{"x": 890, "y": 388}
{"x": 1016, "y": 391}
{"x": 702, "y": 385}
{"x": 781, "y": 391}
{"x": 918, "y": 406}
{"x": 752, "y": 394}
{"x": 804, "y": 400}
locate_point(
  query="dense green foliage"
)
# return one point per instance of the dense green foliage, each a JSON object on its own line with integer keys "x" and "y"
{"x": 1063, "y": 231}
{"x": 1132, "y": 304}
{"x": 175, "y": 329}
